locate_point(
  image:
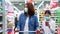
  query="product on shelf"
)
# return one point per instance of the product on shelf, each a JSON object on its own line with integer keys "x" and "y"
{"x": 0, "y": 3}
{"x": 0, "y": 18}
{"x": 58, "y": 16}
{"x": 10, "y": 31}
{"x": 0, "y": 26}
{"x": 41, "y": 15}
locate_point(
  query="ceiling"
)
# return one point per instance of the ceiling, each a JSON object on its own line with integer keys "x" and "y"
{"x": 24, "y": 0}
{"x": 20, "y": 3}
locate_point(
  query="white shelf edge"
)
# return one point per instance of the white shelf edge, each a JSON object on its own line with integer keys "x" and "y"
{"x": 0, "y": 22}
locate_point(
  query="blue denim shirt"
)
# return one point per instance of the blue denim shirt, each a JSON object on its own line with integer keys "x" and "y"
{"x": 32, "y": 22}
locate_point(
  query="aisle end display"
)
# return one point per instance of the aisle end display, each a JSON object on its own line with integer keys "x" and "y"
{"x": 10, "y": 18}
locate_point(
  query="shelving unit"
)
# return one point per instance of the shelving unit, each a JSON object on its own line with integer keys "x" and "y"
{"x": 1, "y": 21}
{"x": 2, "y": 17}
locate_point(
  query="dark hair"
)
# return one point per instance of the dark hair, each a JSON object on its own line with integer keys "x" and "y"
{"x": 48, "y": 12}
{"x": 31, "y": 10}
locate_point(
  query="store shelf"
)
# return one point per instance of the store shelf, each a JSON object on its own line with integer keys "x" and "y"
{"x": 0, "y": 22}
{"x": 51, "y": 16}
{"x": 0, "y": 15}
{"x": 0, "y": 11}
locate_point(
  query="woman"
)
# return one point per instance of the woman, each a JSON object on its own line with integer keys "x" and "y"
{"x": 48, "y": 25}
{"x": 28, "y": 21}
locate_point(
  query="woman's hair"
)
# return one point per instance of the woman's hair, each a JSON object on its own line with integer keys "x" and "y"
{"x": 48, "y": 12}
{"x": 31, "y": 10}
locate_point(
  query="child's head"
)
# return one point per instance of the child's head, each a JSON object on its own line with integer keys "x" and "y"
{"x": 47, "y": 13}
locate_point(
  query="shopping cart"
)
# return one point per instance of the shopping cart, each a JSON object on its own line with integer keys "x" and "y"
{"x": 27, "y": 32}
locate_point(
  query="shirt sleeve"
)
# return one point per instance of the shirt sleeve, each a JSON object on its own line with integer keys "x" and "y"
{"x": 37, "y": 24}
{"x": 19, "y": 21}
{"x": 52, "y": 27}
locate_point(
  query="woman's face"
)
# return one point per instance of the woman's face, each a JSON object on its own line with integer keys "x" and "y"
{"x": 25, "y": 8}
{"x": 47, "y": 17}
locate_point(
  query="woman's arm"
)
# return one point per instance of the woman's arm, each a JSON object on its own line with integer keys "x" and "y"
{"x": 37, "y": 24}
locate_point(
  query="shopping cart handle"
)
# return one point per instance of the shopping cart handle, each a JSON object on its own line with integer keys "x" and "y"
{"x": 27, "y": 31}
{"x": 37, "y": 32}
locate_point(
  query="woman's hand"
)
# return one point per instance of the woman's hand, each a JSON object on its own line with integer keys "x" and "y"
{"x": 17, "y": 30}
{"x": 37, "y": 31}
